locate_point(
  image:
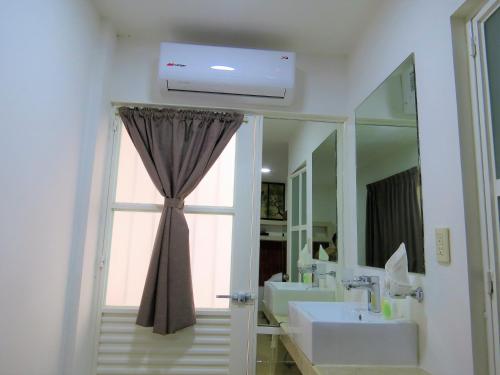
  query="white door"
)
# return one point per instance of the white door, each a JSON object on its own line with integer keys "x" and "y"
{"x": 485, "y": 59}
{"x": 223, "y": 218}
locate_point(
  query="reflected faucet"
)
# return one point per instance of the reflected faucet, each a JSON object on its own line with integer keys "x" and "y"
{"x": 313, "y": 268}
{"x": 372, "y": 285}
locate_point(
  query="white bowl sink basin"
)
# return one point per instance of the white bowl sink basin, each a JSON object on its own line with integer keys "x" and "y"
{"x": 346, "y": 333}
{"x": 278, "y": 294}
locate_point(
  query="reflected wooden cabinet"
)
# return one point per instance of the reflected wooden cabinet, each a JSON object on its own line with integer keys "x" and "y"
{"x": 272, "y": 259}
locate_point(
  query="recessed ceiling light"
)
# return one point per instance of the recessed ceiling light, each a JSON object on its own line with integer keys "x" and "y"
{"x": 221, "y": 67}
{"x": 265, "y": 170}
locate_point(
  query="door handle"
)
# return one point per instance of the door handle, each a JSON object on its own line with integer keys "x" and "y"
{"x": 238, "y": 297}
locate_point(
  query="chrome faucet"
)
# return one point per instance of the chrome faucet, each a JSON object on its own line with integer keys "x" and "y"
{"x": 372, "y": 285}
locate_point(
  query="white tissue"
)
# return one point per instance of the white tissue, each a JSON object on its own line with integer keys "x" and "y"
{"x": 322, "y": 254}
{"x": 397, "y": 281}
{"x": 305, "y": 257}
{"x": 276, "y": 277}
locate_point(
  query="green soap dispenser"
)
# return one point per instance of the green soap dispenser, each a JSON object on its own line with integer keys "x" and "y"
{"x": 387, "y": 312}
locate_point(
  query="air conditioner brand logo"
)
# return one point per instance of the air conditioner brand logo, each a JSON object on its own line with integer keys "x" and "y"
{"x": 284, "y": 57}
{"x": 171, "y": 64}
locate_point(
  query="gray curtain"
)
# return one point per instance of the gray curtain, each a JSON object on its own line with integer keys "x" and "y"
{"x": 177, "y": 148}
{"x": 393, "y": 216}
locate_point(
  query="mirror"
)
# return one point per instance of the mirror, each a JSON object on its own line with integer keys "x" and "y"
{"x": 389, "y": 202}
{"x": 324, "y": 204}
{"x": 298, "y": 207}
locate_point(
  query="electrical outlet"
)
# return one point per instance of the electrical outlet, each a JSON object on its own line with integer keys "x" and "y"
{"x": 443, "y": 245}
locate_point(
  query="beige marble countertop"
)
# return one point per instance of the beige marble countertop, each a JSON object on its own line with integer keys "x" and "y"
{"x": 367, "y": 370}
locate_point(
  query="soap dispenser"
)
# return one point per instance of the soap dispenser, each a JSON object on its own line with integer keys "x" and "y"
{"x": 387, "y": 307}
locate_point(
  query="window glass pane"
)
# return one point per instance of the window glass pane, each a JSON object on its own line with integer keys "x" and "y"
{"x": 492, "y": 32}
{"x": 131, "y": 245}
{"x": 135, "y": 186}
{"x": 217, "y": 187}
{"x": 303, "y": 195}
{"x": 210, "y": 243}
{"x": 303, "y": 239}
{"x": 133, "y": 182}
{"x": 295, "y": 200}
{"x": 132, "y": 241}
{"x": 294, "y": 256}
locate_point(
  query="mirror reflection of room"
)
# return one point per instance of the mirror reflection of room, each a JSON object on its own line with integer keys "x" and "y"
{"x": 388, "y": 173}
{"x": 298, "y": 212}
{"x": 324, "y": 203}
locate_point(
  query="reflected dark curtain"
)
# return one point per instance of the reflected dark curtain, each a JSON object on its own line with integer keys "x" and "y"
{"x": 394, "y": 216}
{"x": 177, "y": 148}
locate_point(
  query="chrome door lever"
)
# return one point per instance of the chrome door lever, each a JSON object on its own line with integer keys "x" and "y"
{"x": 238, "y": 297}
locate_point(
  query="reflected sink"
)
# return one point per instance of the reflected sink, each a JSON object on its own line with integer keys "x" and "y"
{"x": 346, "y": 333}
{"x": 278, "y": 294}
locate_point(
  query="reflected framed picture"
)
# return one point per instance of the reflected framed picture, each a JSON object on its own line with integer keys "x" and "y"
{"x": 272, "y": 201}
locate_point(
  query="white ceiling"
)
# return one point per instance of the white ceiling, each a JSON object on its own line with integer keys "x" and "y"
{"x": 323, "y": 27}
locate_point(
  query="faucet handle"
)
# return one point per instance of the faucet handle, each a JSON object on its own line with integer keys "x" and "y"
{"x": 369, "y": 279}
{"x": 330, "y": 273}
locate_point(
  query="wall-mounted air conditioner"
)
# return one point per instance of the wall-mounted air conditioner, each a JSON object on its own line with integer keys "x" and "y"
{"x": 236, "y": 72}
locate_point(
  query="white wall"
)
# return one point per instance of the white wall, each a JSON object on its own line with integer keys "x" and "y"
{"x": 306, "y": 139}
{"x": 80, "y": 296}
{"x": 321, "y": 81}
{"x": 47, "y": 64}
{"x": 324, "y": 205}
{"x": 423, "y": 27}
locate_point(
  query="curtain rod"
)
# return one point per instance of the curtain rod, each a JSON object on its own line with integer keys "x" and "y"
{"x": 245, "y": 120}
{"x": 247, "y": 111}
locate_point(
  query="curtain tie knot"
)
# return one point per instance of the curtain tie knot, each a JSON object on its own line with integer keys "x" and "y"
{"x": 174, "y": 203}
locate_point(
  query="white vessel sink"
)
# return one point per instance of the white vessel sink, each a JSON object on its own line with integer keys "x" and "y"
{"x": 278, "y": 294}
{"x": 347, "y": 334}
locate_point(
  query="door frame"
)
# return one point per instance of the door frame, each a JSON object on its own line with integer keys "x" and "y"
{"x": 246, "y": 230}
{"x": 489, "y": 188}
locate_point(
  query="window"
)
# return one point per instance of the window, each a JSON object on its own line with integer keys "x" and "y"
{"x": 135, "y": 208}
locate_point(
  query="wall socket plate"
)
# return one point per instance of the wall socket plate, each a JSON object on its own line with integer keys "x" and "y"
{"x": 443, "y": 245}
